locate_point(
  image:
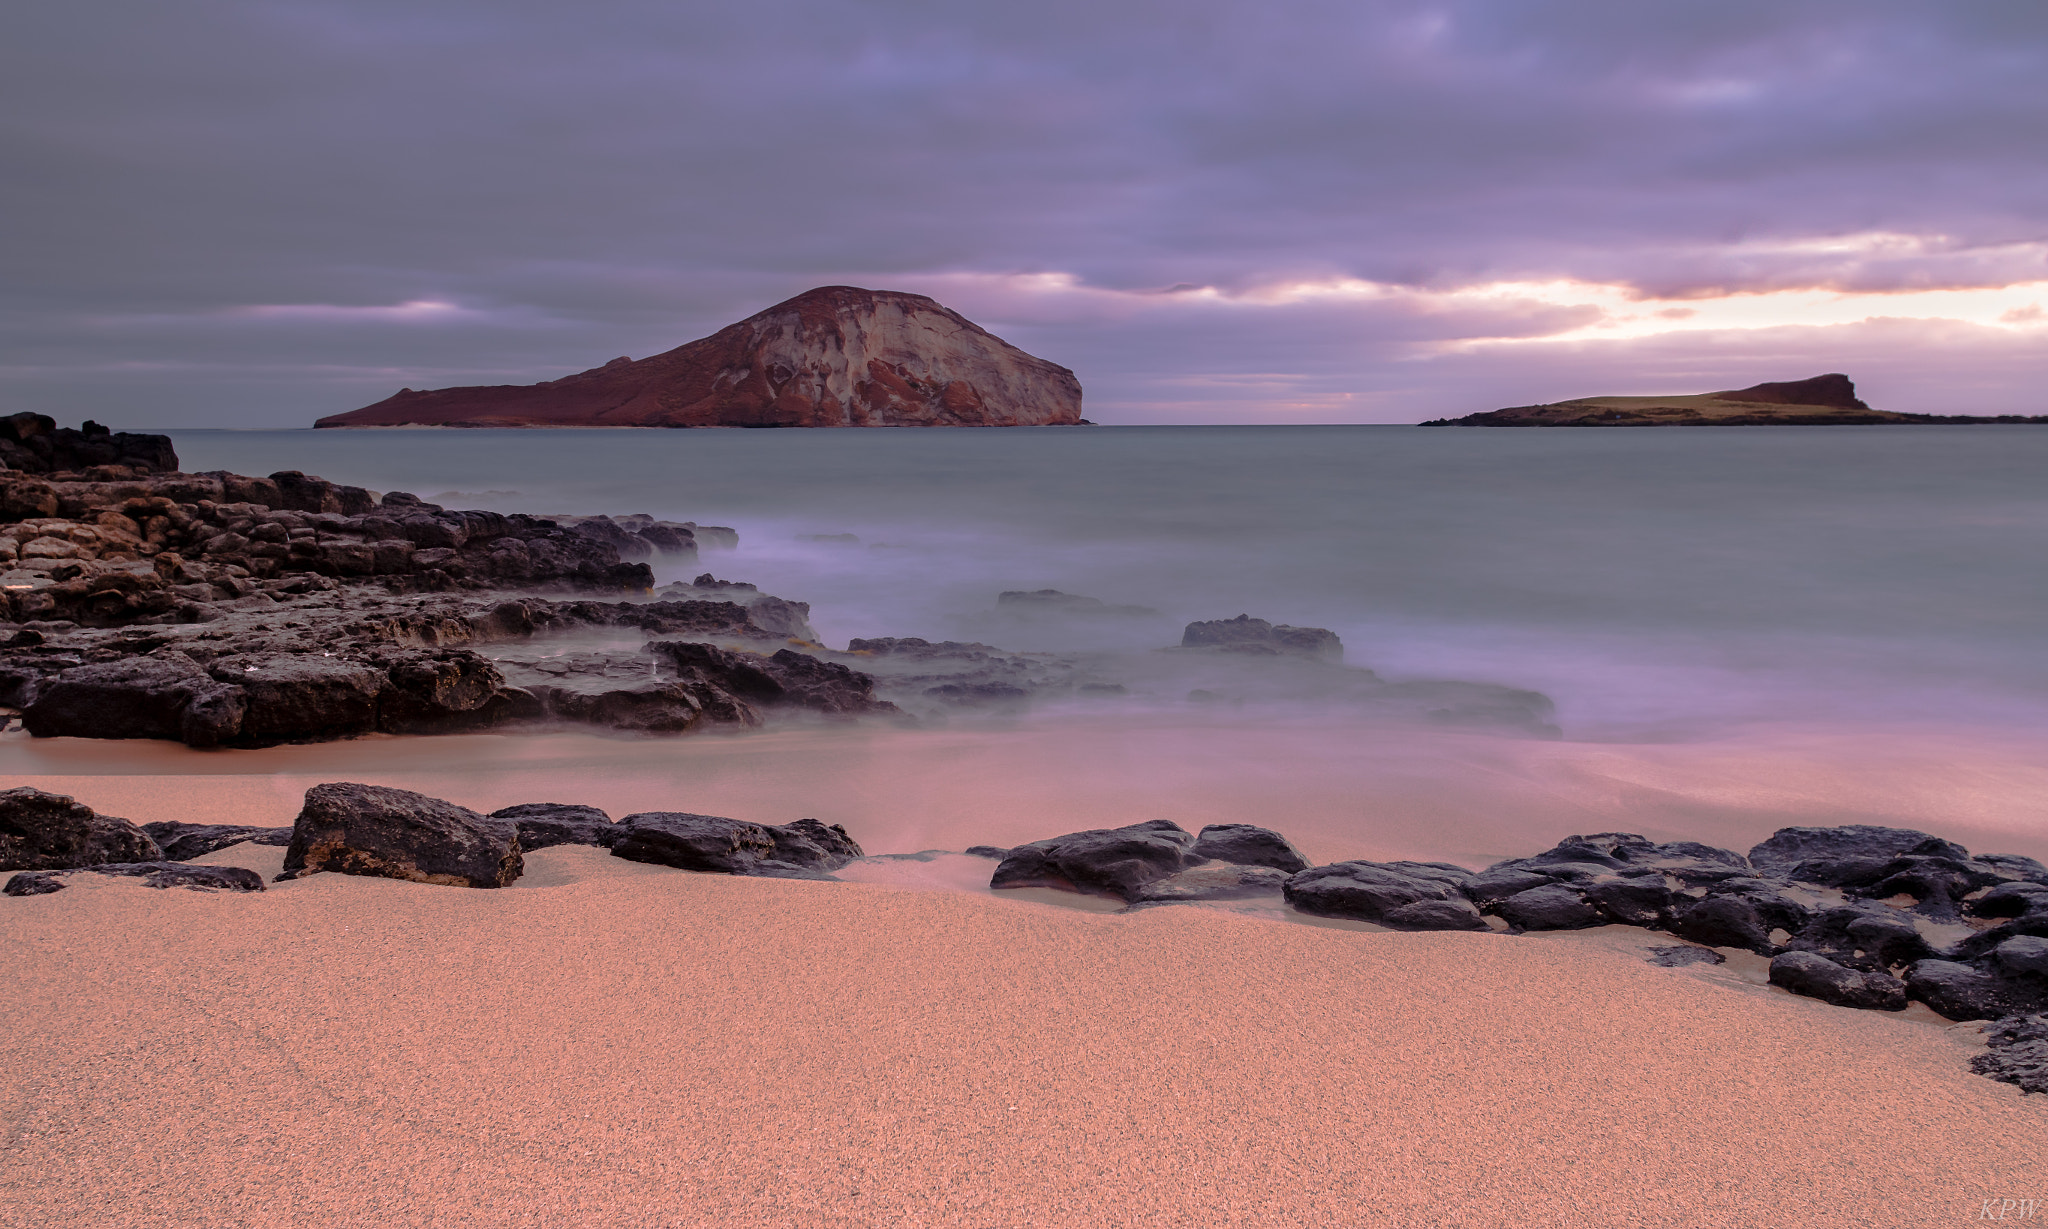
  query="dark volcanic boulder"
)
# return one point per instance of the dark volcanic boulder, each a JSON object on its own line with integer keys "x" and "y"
{"x": 785, "y": 678}
{"x": 159, "y": 696}
{"x": 1102, "y": 861}
{"x": 1820, "y": 978}
{"x": 40, "y": 831}
{"x": 1639, "y": 900}
{"x": 2010, "y": 900}
{"x": 1216, "y": 881}
{"x": 2016, "y": 1052}
{"x": 152, "y": 874}
{"x": 805, "y": 849}
{"x": 1787, "y": 848}
{"x": 303, "y": 697}
{"x": 397, "y": 834}
{"x": 1723, "y": 921}
{"x": 1249, "y": 846}
{"x": 1960, "y": 991}
{"x": 1377, "y": 891}
{"x": 184, "y": 842}
{"x": 1554, "y": 907}
{"x": 544, "y": 824}
{"x": 442, "y": 691}
{"x": 1863, "y": 935}
{"x": 1245, "y": 634}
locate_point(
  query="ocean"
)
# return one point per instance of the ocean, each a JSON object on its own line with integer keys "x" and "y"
{"x": 1739, "y": 628}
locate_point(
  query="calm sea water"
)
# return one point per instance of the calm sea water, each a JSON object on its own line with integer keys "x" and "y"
{"x": 1741, "y": 629}
{"x": 1655, "y": 583}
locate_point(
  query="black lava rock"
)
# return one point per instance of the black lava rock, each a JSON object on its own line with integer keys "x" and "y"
{"x": 2017, "y": 1052}
{"x": 1820, "y": 978}
{"x": 1247, "y": 845}
{"x": 545, "y": 824}
{"x": 805, "y": 849}
{"x": 40, "y": 831}
{"x": 1552, "y": 907}
{"x": 184, "y": 842}
{"x": 1959, "y": 991}
{"x": 1722, "y": 921}
{"x": 166, "y": 696}
{"x": 1376, "y": 891}
{"x": 1102, "y": 861}
{"x": 152, "y": 874}
{"x": 1865, "y": 936}
{"x": 396, "y": 834}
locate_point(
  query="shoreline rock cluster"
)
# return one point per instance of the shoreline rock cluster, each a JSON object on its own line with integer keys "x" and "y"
{"x": 1857, "y": 916}
{"x": 225, "y": 610}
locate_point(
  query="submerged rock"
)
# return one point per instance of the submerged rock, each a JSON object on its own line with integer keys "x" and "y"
{"x": 1214, "y": 882}
{"x": 804, "y": 849}
{"x": 1245, "y": 634}
{"x": 388, "y": 833}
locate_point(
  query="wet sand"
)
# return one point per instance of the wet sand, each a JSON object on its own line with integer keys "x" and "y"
{"x": 1339, "y": 790}
{"x": 615, "y": 1044}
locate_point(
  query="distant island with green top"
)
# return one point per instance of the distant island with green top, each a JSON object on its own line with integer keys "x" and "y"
{"x": 1823, "y": 401}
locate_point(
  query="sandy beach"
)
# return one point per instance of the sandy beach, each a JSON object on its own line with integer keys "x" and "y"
{"x": 610, "y": 1043}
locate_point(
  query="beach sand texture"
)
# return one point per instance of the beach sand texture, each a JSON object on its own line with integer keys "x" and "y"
{"x": 613, "y": 1044}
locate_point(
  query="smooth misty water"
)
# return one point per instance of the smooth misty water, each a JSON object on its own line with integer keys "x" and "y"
{"x": 1656, "y": 583}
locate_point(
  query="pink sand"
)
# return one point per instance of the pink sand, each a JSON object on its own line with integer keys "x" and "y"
{"x": 613, "y": 1044}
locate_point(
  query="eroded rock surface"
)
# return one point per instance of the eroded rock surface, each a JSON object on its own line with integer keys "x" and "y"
{"x": 152, "y": 874}
{"x": 182, "y": 842}
{"x": 353, "y": 829}
{"x": 44, "y": 831}
{"x": 804, "y": 849}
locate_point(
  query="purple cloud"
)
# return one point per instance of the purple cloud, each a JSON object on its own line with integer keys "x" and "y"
{"x": 220, "y": 212}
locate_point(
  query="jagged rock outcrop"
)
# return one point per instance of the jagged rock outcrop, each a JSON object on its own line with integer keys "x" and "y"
{"x": 837, "y": 356}
{"x": 35, "y": 444}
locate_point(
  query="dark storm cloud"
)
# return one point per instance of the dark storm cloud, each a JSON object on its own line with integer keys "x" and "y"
{"x": 578, "y": 181}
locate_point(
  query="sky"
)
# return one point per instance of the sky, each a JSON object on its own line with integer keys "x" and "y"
{"x": 252, "y": 214}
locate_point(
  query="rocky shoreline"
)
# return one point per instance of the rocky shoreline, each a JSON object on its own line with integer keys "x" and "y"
{"x": 224, "y": 610}
{"x": 1857, "y": 916}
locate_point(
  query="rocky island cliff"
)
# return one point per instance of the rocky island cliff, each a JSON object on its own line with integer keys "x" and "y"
{"x": 1823, "y": 400}
{"x": 837, "y": 356}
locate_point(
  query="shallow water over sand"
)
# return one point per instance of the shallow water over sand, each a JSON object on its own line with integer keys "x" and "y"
{"x": 1741, "y": 628}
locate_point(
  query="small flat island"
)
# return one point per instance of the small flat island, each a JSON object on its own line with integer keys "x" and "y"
{"x": 1823, "y": 401}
